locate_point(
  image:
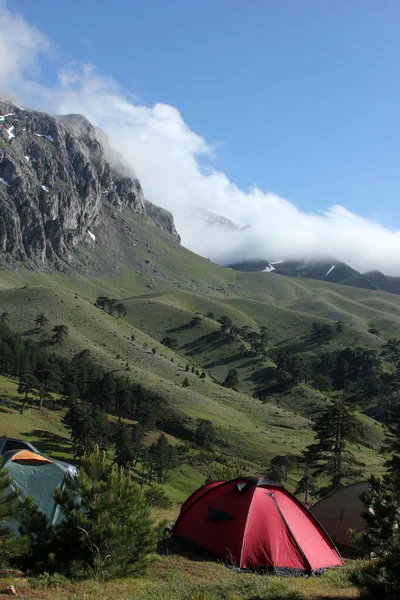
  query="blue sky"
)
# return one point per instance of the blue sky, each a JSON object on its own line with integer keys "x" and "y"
{"x": 302, "y": 97}
{"x": 282, "y": 115}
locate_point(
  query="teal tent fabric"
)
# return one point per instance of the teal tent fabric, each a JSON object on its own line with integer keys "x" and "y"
{"x": 39, "y": 481}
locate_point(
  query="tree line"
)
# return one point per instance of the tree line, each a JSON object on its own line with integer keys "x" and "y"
{"x": 41, "y": 373}
{"x": 359, "y": 372}
{"x": 111, "y": 305}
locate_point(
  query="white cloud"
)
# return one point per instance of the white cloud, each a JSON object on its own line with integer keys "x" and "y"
{"x": 20, "y": 47}
{"x": 164, "y": 153}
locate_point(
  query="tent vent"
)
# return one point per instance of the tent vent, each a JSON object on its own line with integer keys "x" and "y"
{"x": 243, "y": 487}
{"x": 215, "y": 514}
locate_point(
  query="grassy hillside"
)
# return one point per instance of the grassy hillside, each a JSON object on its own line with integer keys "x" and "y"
{"x": 164, "y": 286}
{"x": 180, "y": 574}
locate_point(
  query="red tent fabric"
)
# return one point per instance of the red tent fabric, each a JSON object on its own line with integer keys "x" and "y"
{"x": 255, "y": 523}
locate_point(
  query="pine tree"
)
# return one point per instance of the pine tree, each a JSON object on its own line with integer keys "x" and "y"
{"x": 283, "y": 462}
{"x": 226, "y": 323}
{"x": 60, "y": 333}
{"x": 335, "y": 429}
{"x": 27, "y": 385}
{"x": 89, "y": 427}
{"x": 41, "y": 321}
{"x": 232, "y": 379}
{"x": 121, "y": 309}
{"x": 11, "y": 509}
{"x": 170, "y": 342}
{"x": 138, "y": 436}
{"x": 381, "y": 578}
{"x": 307, "y": 485}
{"x": 185, "y": 383}
{"x": 102, "y": 302}
{"x": 124, "y": 447}
{"x": 107, "y": 526}
{"x": 164, "y": 458}
{"x": 205, "y": 433}
{"x": 44, "y": 395}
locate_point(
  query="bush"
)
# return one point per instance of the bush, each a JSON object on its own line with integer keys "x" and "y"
{"x": 106, "y": 532}
{"x": 156, "y": 496}
{"x": 11, "y": 509}
{"x": 375, "y": 581}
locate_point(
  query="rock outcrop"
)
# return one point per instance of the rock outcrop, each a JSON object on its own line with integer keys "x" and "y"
{"x": 54, "y": 179}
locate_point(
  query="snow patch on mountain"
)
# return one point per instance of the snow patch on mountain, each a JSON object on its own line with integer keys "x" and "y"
{"x": 330, "y": 270}
{"x": 269, "y": 268}
{"x": 2, "y": 117}
{"x": 48, "y": 137}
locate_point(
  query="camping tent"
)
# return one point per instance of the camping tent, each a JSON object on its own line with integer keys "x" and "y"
{"x": 37, "y": 476}
{"x": 255, "y": 523}
{"x": 341, "y": 511}
{"x": 8, "y": 444}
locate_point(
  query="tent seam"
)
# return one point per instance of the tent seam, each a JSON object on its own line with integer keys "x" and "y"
{"x": 245, "y": 526}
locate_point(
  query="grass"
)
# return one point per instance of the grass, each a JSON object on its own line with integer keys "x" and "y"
{"x": 42, "y": 428}
{"x": 248, "y": 432}
{"x": 182, "y": 575}
{"x": 164, "y": 286}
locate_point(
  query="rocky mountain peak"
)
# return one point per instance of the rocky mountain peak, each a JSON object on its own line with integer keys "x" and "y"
{"x": 54, "y": 179}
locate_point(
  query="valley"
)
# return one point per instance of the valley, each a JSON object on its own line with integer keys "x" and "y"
{"x": 231, "y": 368}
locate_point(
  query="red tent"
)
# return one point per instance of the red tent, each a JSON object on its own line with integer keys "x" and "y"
{"x": 255, "y": 523}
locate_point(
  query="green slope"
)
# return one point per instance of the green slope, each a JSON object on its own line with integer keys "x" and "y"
{"x": 164, "y": 286}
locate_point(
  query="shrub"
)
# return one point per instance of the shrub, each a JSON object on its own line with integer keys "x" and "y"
{"x": 11, "y": 509}
{"x": 156, "y": 496}
{"x": 106, "y": 532}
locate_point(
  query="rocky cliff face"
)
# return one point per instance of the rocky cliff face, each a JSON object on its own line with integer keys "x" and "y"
{"x": 54, "y": 179}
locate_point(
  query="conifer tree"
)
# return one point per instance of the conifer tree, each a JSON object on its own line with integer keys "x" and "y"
{"x": 381, "y": 578}
{"x": 170, "y": 342}
{"x": 27, "y": 385}
{"x": 11, "y": 509}
{"x": 335, "y": 429}
{"x": 121, "y": 309}
{"x": 205, "y": 433}
{"x": 60, "y": 333}
{"x": 164, "y": 458}
{"x": 41, "y": 321}
{"x": 44, "y": 395}
{"x": 125, "y": 451}
{"x": 283, "y": 462}
{"x": 232, "y": 379}
{"x": 138, "y": 436}
{"x": 307, "y": 485}
{"x": 107, "y": 531}
{"x": 89, "y": 427}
